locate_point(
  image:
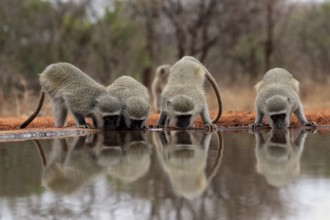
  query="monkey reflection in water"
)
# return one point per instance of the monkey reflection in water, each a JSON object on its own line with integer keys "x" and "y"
{"x": 184, "y": 155}
{"x": 126, "y": 155}
{"x": 70, "y": 165}
{"x": 278, "y": 155}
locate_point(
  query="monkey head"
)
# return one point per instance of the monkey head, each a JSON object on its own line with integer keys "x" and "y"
{"x": 163, "y": 71}
{"x": 109, "y": 108}
{"x": 278, "y": 111}
{"x": 180, "y": 110}
{"x": 135, "y": 112}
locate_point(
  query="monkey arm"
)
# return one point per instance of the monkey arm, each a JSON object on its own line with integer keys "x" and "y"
{"x": 60, "y": 112}
{"x": 258, "y": 120}
{"x": 80, "y": 120}
{"x": 259, "y": 117}
{"x": 162, "y": 118}
{"x": 301, "y": 117}
{"x": 95, "y": 121}
{"x": 206, "y": 119}
{"x": 205, "y": 115}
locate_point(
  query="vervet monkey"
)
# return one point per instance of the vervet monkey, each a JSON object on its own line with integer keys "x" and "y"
{"x": 72, "y": 90}
{"x": 135, "y": 101}
{"x": 183, "y": 97}
{"x": 158, "y": 84}
{"x": 277, "y": 98}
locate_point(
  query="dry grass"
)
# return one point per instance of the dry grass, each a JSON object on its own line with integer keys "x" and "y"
{"x": 234, "y": 98}
{"x": 314, "y": 97}
{"x": 23, "y": 105}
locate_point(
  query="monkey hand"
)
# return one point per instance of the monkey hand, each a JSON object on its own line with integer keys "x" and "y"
{"x": 210, "y": 127}
{"x": 86, "y": 126}
{"x": 308, "y": 130}
{"x": 159, "y": 126}
{"x": 255, "y": 126}
{"x": 310, "y": 124}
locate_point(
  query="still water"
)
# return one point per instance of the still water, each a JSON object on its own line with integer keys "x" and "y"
{"x": 168, "y": 175}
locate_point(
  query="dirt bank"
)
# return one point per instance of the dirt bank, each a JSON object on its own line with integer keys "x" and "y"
{"x": 228, "y": 120}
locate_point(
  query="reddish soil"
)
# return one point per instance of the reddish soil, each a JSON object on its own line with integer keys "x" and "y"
{"x": 229, "y": 119}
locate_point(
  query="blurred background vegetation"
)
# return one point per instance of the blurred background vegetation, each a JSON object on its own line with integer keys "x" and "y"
{"x": 237, "y": 40}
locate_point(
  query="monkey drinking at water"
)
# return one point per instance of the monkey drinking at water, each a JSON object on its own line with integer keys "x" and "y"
{"x": 277, "y": 98}
{"x": 183, "y": 98}
{"x": 135, "y": 101}
{"x": 72, "y": 90}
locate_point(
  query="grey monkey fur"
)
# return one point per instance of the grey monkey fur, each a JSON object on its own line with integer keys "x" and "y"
{"x": 135, "y": 100}
{"x": 72, "y": 90}
{"x": 184, "y": 95}
{"x": 277, "y": 98}
{"x": 158, "y": 84}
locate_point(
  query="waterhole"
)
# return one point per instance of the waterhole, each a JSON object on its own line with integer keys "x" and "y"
{"x": 270, "y": 174}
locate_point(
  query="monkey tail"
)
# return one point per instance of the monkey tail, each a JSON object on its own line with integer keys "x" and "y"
{"x": 35, "y": 113}
{"x": 41, "y": 152}
{"x": 217, "y": 93}
{"x": 218, "y": 158}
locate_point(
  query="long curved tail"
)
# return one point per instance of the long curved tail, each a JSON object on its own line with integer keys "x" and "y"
{"x": 218, "y": 158}
{"x": 35, "y": 113}
{"x": 217, "y": 93}
{"x": 41, "y": 153}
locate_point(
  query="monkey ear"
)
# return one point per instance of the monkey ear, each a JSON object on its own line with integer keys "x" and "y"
{"x": 162, "y": 71}
{"x": 200, "y": 70}
{"x": 258, "y": 86}
{"x": 295, "y": 84}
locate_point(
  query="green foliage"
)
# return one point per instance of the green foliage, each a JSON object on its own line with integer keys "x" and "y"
{"x": 122, "y": 30}
{"x": 115, "y": 39}
{"x": 44, "y": 33}
{"x": 310, "y": 31}
{"x": 249, "y": 45}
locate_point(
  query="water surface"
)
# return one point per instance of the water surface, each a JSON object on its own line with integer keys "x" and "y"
{"x": 168, "y": 175}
